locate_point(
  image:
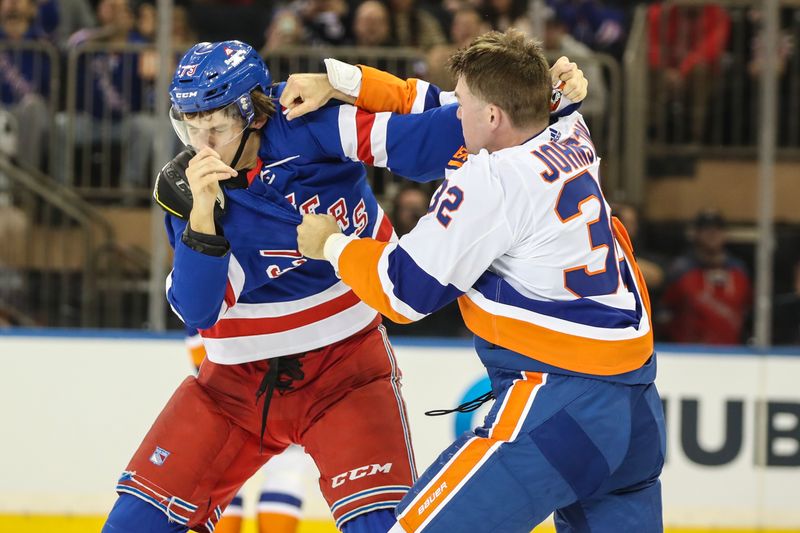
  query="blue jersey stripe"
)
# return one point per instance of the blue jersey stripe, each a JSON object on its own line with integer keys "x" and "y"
{"x": 432, "y": 97}
{"x": 280, "y": 497}
{"x": 416, "y": 287}
{"x": 581, "y": 311}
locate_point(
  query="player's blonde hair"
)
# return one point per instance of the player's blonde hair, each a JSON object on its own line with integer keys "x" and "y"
{"x": 508, "y": 70}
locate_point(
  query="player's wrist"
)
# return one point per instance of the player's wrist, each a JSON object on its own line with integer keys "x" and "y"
{"x": 201, "y": 220}
{"x": 204, "y": 243}
{"x": 343, "y": 77}
{"x": 334, "y": 246}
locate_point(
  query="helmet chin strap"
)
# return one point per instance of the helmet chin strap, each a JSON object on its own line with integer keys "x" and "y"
{"x": 245, "y": 136}
{"x": 240, "y": 180}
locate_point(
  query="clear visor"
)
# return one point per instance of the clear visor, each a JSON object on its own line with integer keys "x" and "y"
{"x": 214, "y": 130}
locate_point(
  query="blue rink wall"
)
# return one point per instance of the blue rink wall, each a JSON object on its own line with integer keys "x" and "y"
{"x": 75, "y": 405}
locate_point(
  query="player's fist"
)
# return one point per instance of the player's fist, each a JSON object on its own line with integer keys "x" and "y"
{"x": 575, "y": 83}
{"x": 304, "y": 93}
{"x": 312, "y": 234}
{"x": 204, "y": 173}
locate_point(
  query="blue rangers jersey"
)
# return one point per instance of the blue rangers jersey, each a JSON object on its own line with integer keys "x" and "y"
{"x": 263, "y": 299}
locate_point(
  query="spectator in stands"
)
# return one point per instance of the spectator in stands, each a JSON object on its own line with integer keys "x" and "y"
{"x": 649, "y": 263}
{"x": 183, "y": 34}
{"x": 504, "y": 14}
{"x": 13, "y": 226}
{"x": 371, "y": 24}
{"x": 25, "y": 78}
{"x": 183, "y": 37}
{"x": 467, "y": 24}
{"x": 746, "y": 131}
{"x": 325, "y": 21}
{"x": 13, "y": 236}
{"x": 598, "y": 25}
{"x": 558, "y": 42}
{"x": 226, "y": 2}
{"x": 786, "y": 313}
{"x": 413, "y": 26}
{"x": 708, "y": 296}
{"x": 408, "y": 206}
{"x": 71, "y": 16}
{"x": 147, "y": 21}
{"x": 47, "y": 16}
{"x": 286, "y": 29}
{"x": 786, "y": 45}
{"x": 110, "y": 96}
{"x": 685, "y": 49}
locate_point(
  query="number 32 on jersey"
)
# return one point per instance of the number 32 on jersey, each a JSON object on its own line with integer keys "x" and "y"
{"x": 575, "y": 193}
{"x": 451, "y": 199}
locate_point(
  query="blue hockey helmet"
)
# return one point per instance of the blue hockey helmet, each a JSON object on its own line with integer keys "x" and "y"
{"x": 214, "y": 76}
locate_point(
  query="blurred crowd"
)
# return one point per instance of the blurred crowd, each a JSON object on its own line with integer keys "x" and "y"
{"x": 701, "y": 291}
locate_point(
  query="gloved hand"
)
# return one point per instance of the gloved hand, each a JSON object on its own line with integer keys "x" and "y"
{"x": 172, "y": 191}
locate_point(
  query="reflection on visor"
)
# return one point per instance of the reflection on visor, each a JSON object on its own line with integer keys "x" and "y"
{"x": 213, "y": 130}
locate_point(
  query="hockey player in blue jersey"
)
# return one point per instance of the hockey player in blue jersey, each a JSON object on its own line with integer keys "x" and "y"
{"x": 293, "y": 355}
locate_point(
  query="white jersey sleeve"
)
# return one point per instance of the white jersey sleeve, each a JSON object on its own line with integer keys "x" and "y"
{"x": 464, "y": 231}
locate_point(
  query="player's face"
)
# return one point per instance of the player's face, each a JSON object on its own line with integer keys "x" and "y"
{"x": 215, "y": 130}
{"x": 474, "y": 117}
{"x": 221, "y": 130}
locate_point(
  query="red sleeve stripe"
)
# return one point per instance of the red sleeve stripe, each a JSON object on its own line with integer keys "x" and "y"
{"x": 385, "y": 230}
{"x": 230, "y": 296}
{"x": 364, "y": 123}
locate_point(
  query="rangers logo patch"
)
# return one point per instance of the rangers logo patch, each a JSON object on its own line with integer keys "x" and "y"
{"x": 244, "y": 103}
{"x": 159, "y": 456}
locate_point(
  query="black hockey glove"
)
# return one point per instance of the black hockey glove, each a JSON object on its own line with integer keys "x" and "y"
{"x": 172, "y": 191}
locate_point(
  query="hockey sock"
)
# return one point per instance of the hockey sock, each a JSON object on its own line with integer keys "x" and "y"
{"x": 277, "y": 523}
{"x": 132, "y": 515}
{"x": 379, "y": 521}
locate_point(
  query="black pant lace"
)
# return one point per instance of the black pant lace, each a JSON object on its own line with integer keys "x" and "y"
{"x": 466, "y": 407}
{"x": 281, "y": 374}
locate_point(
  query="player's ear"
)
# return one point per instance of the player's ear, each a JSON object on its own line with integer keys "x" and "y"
{"x": 493, "y": 115}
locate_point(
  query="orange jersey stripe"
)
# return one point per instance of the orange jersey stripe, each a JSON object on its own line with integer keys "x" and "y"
{"x": 511, "y": 414}
{"x": 516, "y": 403}
{"x": 381, "y": 91}
{"x": 578, "y": 354}
{"x": 621, "y": 234}
{"x": 358, "y": 267}
{"x": 443, "y": 485}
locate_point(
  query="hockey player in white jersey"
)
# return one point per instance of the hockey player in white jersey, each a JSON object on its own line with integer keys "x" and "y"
{"x": 522, "y": 236}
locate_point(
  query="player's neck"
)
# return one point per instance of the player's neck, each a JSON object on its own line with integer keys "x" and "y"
{"x": 509, "y": 137}
{"x": 249, "y": 156}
